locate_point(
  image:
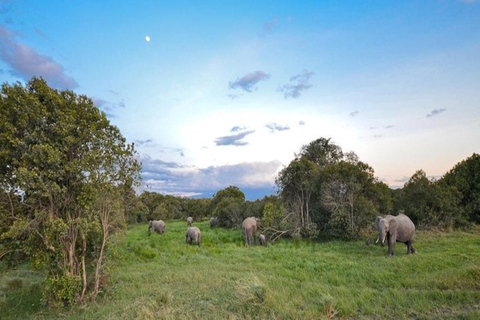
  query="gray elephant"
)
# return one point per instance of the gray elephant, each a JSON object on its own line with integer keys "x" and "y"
{"x": 213, "y": 222}
{"x": 189, "y": 221}
{"x": 396, "y": 229}
{"x": 249, "y": 227}
{"x": 156, "y": 226}
{"x": 262, "y": 240}
{"x": 193, "y": 234}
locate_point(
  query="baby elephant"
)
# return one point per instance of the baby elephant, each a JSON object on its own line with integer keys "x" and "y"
{"x": 156, "y": 226}
{"x": 189, "y": 221}
{"x": 193, "y": 234}
{"x": 262, "y": 240}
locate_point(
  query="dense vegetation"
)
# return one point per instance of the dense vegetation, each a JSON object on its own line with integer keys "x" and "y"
{"x": 66, "y": 176}
{"x": 68, "y": 185}
{"x": 161, "y": 277}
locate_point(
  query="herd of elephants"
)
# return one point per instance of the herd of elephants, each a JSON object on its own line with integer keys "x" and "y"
{"x": 391, "y": 228}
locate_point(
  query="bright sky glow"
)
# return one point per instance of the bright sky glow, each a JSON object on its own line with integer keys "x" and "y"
{"x": 227, "y": 93}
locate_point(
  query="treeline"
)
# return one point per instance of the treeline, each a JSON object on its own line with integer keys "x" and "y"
{"x": 326, "y": 192}
{"x": 453, "y": 201}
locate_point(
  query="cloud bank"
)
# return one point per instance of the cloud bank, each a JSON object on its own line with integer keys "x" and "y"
{"x": 173, "y": 178}
{"x": 435, "y": 112}
{"x": 107, "y": 106}
{"x": 248, "y": 81}
{"x": 27, "y": 63}
{"x": 233, "y": 140}
{"x": 276, "y": 127}
{"x": 297, "y": 85}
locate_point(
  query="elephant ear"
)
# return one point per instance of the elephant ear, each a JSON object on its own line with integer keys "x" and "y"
{"x": 393, "y": 225}
{"x": 377, "y": 222}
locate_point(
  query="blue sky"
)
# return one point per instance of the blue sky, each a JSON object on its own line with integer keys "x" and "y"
{"x": 225, "y": 93}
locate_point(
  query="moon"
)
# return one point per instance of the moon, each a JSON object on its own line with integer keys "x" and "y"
{"x": 147, "y": 38}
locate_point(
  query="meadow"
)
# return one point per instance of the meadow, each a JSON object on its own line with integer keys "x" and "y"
{"x": 161, "y": 277}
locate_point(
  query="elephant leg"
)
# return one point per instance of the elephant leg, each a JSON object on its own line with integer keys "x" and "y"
{"x": 391, "y": 244}
{"x": 390, "y": 250}
{"x": 410, "y": 248}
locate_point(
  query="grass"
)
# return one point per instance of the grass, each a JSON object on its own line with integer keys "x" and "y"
{"x": 161, "y": 277}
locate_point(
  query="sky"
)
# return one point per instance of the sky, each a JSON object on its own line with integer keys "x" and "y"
{"x": 221, "y": 93}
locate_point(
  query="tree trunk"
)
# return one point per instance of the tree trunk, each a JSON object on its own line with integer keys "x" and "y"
{"x": 98, "y": 269}
{"x": 84, "y": 270}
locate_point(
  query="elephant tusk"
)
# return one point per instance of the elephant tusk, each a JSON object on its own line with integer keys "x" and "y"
{"x": 377, "y": 240}
{"x": 383, "y": 241}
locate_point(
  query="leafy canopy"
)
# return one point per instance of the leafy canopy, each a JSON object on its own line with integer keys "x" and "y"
{"x": 64, "y": 174}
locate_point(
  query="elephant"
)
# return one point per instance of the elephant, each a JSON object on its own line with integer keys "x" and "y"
{"x": 262, "y": 240}
{"x": 157, "y": 226}
{"x": 396, "y": 229}
{"x": 193, "y": 234}
{"x": 189, "y": 221}
{"x": 213, "y": 221}
{"x": 249, "y": 227}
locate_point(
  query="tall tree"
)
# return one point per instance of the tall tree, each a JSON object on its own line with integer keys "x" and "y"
{"x": 333, "y": 191}
{"x": 297, "y": 183}
{"x": 228, "y": 206}
{"x": 465, "y": 177}
{"x": 61, "y": 160}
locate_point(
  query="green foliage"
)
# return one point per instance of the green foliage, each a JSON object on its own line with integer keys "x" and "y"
{"x": 325, "y": 190}
{"x": 229, "y": 192}
{"x": 229, "y": 212}
{"x": 61, "y": 289}
{"x": 322, "y": 152}
{"x": 65, "y": 173}
{"x": 228, "y": 205}
{"x": 465, "y": 177}
{"x": 271, "y": 215}
{"x": 430, "y": 203}
{"x": 158, "y": 206}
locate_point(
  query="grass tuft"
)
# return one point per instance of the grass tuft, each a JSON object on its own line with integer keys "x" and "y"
{"x": 251, "y": 290}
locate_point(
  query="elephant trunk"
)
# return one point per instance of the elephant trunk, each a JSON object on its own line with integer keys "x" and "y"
{"x": 382, "y": 237}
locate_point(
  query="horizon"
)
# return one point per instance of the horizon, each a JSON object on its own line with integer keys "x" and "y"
{"x": 214, "y": 95}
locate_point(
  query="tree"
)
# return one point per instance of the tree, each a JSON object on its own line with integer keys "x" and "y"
{"x": 227, "y": 206}
{"x": 322, "y": 152}
{"x": 349, "y": 193}
{"x": 297, "y": 183}
{"x": 65, "y": 170}
{"x": 430, "y": 203}
{"x": 465, "y": 177}
{"x": 326, "y": 190}
{"x": 420, "y": 199}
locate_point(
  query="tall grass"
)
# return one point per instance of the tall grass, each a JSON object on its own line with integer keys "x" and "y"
{"x": 161, "y": 277}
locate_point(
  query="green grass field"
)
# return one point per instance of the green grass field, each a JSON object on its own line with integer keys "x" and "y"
{"x": 161, "y": 277}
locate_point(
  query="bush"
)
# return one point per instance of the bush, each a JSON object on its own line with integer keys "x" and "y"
{"x": 61, "y": 289}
